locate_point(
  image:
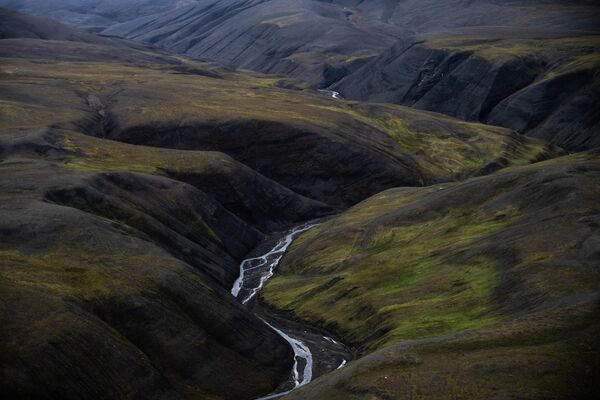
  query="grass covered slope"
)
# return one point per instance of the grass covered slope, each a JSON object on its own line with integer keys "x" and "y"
{"x": 473, "y": 289}
{"x": 332, "y": 151}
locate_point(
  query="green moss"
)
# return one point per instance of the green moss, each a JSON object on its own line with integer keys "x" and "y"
{"x": 498, "y": 50}
{"x": 587, "y": 62}
{"x": 406, "y": 264}
{"x": 90, "y": 154}
{"x": 74, "y": 269}
{"x": 392, "y": 278}
{"x": 57, "y": 272}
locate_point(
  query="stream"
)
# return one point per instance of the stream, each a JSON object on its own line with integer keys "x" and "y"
{"x": 331, "y": 93}
{"x": 329, "y": 354}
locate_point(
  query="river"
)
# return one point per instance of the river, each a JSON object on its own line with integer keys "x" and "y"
{"x": 304, "y": 340}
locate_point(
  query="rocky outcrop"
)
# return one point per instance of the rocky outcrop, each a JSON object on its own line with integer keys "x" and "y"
{"x": 515, "y": 92}
{"x": 560, "y": 109}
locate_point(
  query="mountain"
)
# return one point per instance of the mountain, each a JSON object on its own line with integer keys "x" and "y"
{"x": 543, "y": 87}
{"x": 436, "y": 16}
{"x": 303, "y": 38}
{"x": 451, "y": 257}
{"x": 134, "y": 182}
{"x": 456, "y": 57}
{"x": 93, "y": 15}
{"x": 18, "y": 25}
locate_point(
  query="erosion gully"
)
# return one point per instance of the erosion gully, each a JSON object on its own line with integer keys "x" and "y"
{"x": 315, "y": 352}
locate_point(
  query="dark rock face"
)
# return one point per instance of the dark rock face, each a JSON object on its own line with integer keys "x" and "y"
{"x": 561, "y": 110}
{"x": 514, "y": 93}
{"x": 257, "y": 200}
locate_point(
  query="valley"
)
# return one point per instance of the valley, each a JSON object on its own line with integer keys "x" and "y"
{"x": 300, "y": 200}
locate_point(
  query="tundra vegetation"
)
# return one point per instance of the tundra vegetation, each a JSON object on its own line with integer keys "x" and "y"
{"x": 458, "y": 248}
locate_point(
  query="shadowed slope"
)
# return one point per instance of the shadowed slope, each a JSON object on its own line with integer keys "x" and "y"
{"x": 115, "y": 283}
{"x": 543, "y": 87}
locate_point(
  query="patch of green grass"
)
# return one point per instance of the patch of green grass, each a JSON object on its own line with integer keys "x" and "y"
{"x": 411, "y": 263}
{"x": 533, "y": 357}
{"x": 497, "y": 50}
{"x": 91, "y": 154}
{"x": 391, "y": 278}
{"x": 587, "y": 62}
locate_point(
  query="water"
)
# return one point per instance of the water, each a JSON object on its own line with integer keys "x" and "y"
{"x": 254, "y": 273}
{"x": 332, "y": 93}
{"x": 262, "y": 267}
{"x": 301, "y": 352}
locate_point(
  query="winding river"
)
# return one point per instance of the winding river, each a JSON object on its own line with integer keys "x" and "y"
{"x": 254, "y": 273}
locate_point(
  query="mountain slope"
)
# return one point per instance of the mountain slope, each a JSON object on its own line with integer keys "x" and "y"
{"x": 17, "y": 25}
{"x": 545, "y": 88}
{"x": 94, "y": 15}
{"x": 117, "y": 258}
{"x": 419, "y": 54}
{"x": 456, "y": 57}
{"x": 114, "y": 285}
{"x": 298, "y": 38}
{"x": 487, "y": 287}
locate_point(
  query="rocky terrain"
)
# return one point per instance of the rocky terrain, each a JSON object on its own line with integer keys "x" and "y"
{"x": 546, "y": 88}
{"x": 455, "y": 256}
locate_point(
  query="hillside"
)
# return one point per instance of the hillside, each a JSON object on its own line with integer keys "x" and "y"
{"x": 455, "y": 57}
{"x": 18, "y": 25}
{"x": 494, "y": 296}
{"x": 304, "y": 39}
{"x": 412, "y": 254}
{"x": 543, "y": 87}
{"x": 177, "y": 103}
{"x": 93, "y": 15}
{"x": 134, "y": 182}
